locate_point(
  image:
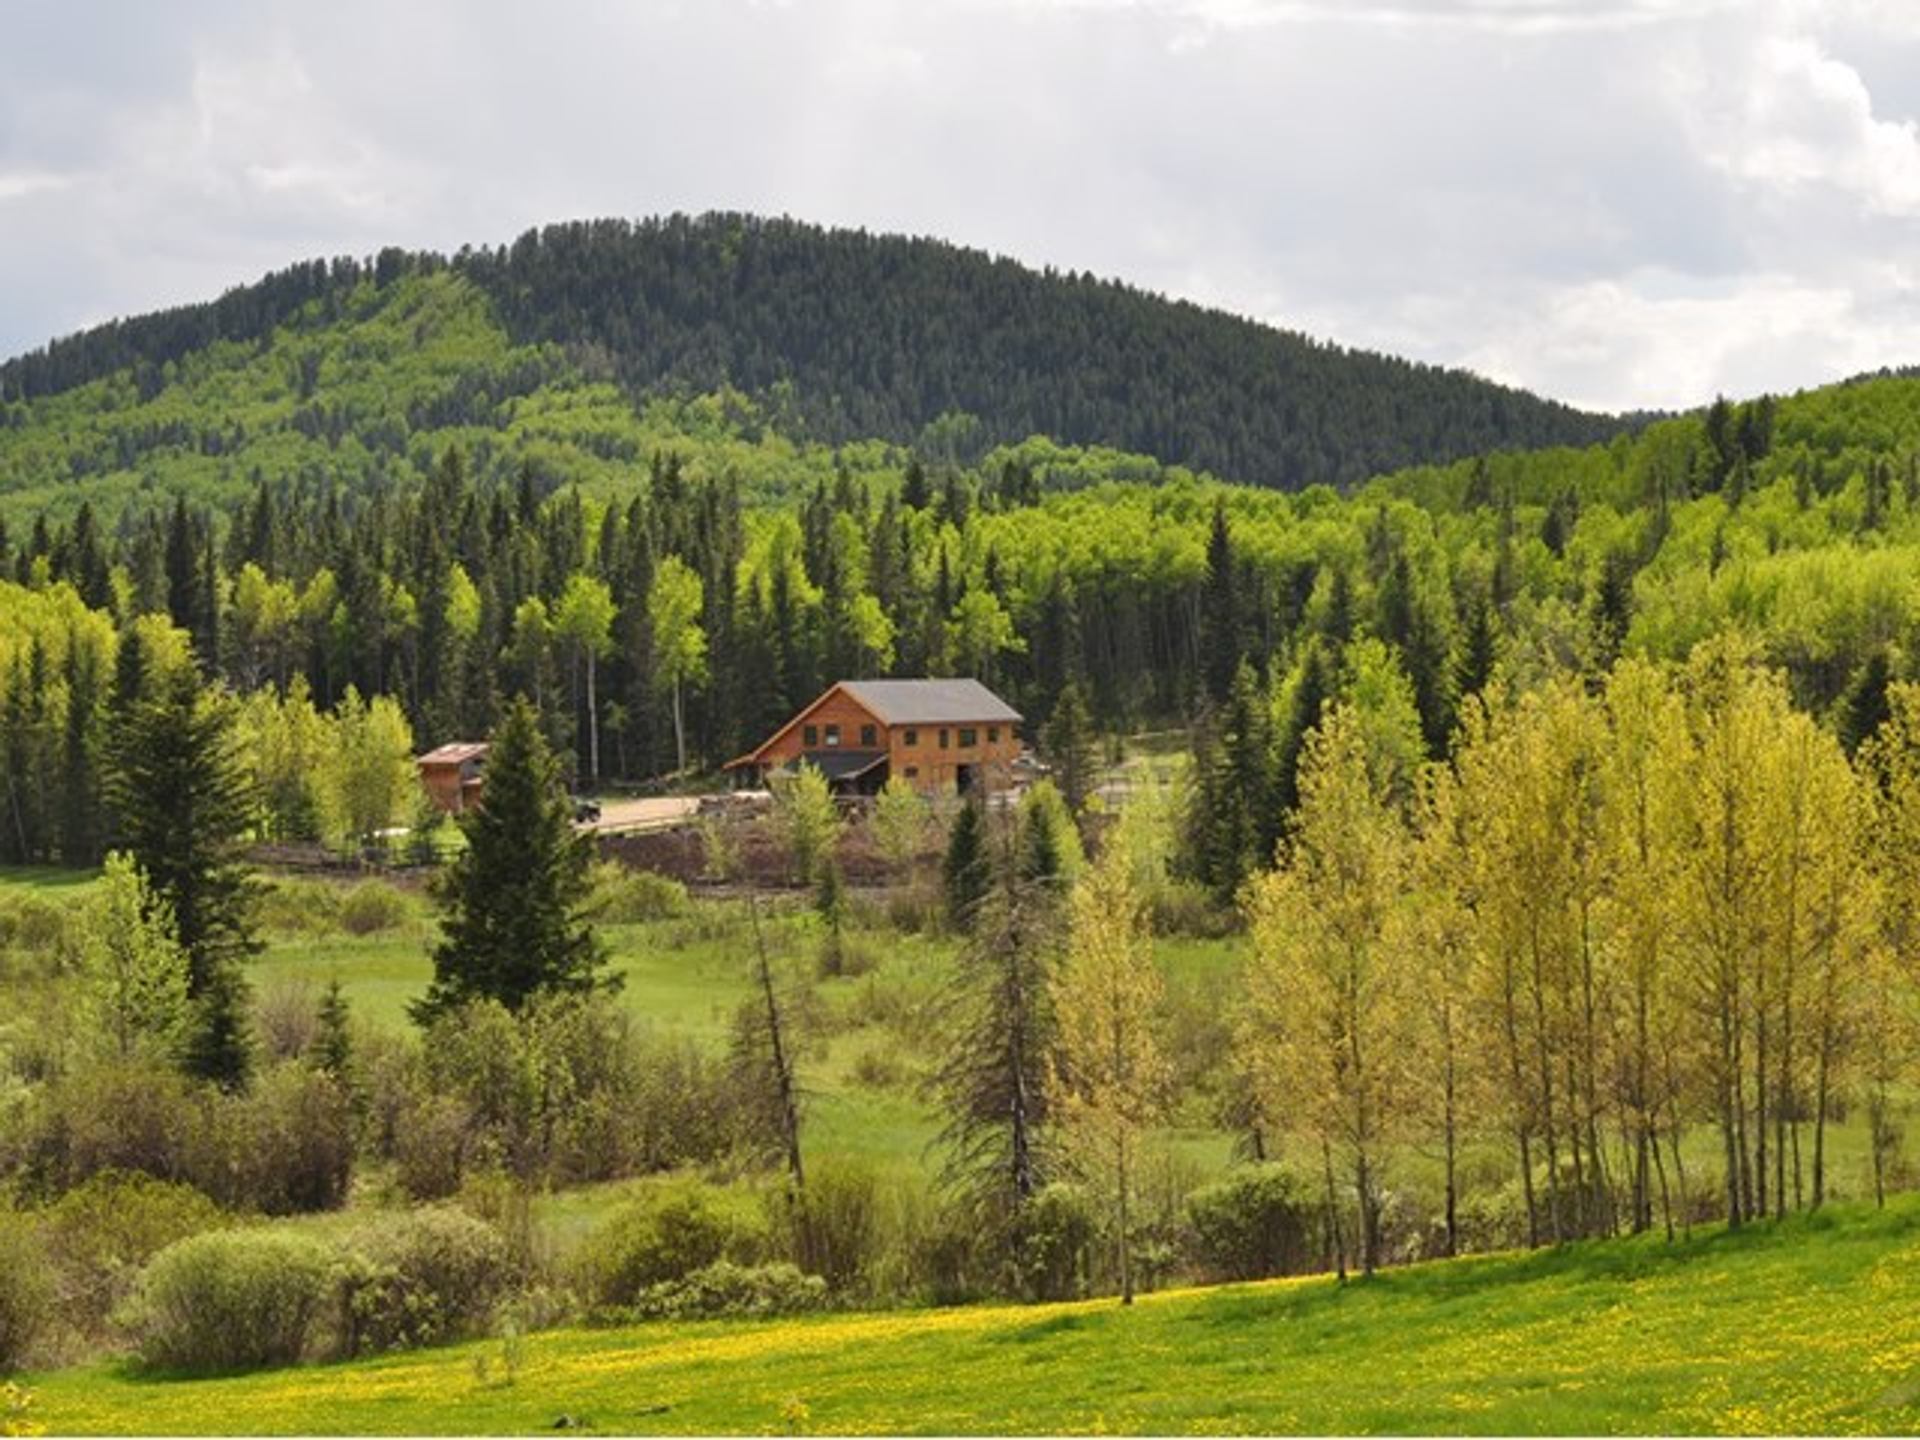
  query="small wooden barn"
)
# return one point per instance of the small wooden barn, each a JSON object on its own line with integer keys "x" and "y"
{"x": 452, "y": 774}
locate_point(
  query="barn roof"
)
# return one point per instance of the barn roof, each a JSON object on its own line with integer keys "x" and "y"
{"x": 931, "y": 702}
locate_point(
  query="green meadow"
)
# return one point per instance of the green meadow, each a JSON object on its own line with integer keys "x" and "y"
{"x": 1808, "y": 1326}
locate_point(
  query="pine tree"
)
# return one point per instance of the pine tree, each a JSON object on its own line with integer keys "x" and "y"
{"x": 186, "y": 811}
{"x": 514, "y": 900}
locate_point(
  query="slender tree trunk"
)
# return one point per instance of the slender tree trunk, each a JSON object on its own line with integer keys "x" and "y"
{"x": 1126, "y": 1243}
{"x": 782, "y": 1069}
{"x": 1660, "y": 1168}
{"x": 679, "y": 731}
{"x": 1333, "y": 1213}
{"x": 1820, "y": 1084}
{"x": 593, "y": 721}
{"x": 1452, "y": 1144}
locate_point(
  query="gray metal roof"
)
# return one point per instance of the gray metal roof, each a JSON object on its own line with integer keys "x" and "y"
{"x": 931, "y": 702}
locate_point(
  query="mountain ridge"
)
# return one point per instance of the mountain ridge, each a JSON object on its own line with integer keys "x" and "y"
{"x": 868, "y": 335}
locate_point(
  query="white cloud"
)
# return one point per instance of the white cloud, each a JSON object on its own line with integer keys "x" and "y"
{"x": 15, "y": 184}
{"x": 1795, "y": 116}
{"x": 1622, "y": 202}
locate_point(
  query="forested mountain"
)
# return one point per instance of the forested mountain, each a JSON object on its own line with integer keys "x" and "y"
{"x": 845, "y": 335}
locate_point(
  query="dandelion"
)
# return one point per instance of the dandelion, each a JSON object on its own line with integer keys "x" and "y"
{"x": 16, "y": 1403}
{"x": 793, "y": 1414}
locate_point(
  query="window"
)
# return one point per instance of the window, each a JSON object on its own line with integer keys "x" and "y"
{"x": 993, "y": 734}
{"x": 833, "y": 734}
{"x": 811, "y": 736}
{"x": 969, "y": 739}
{"x": 943, "y": 739}
{"x": 913, "y": 772}
{"x": 868, "y": 737}
{"x": 912, "y": 737}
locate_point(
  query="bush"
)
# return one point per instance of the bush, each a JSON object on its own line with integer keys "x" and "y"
{"x": 299, "y": 907}
{"x": 232, "y": 1300}
{"x": 31, "y": 926}
{"x": 102, "y": 1232}
{"x": 115, "y": 1115}
{"x": 429, "y": 1148}
{"x": 284, "y": 1148}
{"x": 625, "y": 896}
{"x": 1050, "y": 1241}
{"x": 667, "y": 1236}
{"x": 724, "y": 1288}
{"x": 373, "y": 906}
{"x": 420, "y": 1277}
{"x": 836, "y": 1224}
{"x": 1251, "y": 1226}
{"x": 286, "y": 1017}
{"x": 26, "y": 1290}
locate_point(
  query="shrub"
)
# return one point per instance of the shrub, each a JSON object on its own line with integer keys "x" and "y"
{"x": 232, "y": 1300}
{"x": 26, "y": 1290}
{"x": 666, "y": 1236}
{"x": 286, "y": 1017}
{"x": 283, "y": 1148}
{"x": 724, "y": 1288}
{"x": 299, "y": 907}
{"x": 104, "y": 1230}
{"x": 879, "y": 1069}
{"x": 31, "y": 926}
{"x": 836, "y": 1224}
{"x": 1256, "y": 1224}
{"x": 373, "y": 906}
{"x": 1049, "y": 1242}
{"x": 420, "y": 1277}
{"x": 429, "y": 1145}
{"x": 625, "y": 896}
{"x": 115, "y": 1115}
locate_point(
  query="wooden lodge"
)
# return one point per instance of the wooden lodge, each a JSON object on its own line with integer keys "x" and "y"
{"x": 935, "y": 734}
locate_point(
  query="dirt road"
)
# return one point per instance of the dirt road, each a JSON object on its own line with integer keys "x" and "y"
{"x": 645, "y": 814}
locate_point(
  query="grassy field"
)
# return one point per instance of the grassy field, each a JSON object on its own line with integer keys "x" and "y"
{"x": 1809, "y": 1326}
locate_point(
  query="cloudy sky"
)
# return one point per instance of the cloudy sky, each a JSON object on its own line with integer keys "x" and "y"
{"x": 1617, "y": 202}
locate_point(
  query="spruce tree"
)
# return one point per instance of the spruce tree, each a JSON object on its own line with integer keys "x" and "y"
{"x": 1220, "y": 639}
{"x": 186, "y": 812}
{"x": 967, "y": 870}
{"x": 514, "y": 900}
{"x": 995, "y": 1080}
{"x": 332, "y": 1049}
{"x": 1069, "y": 746}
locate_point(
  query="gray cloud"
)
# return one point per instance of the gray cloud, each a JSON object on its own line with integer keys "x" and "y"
{"x": 1622, "y": 203}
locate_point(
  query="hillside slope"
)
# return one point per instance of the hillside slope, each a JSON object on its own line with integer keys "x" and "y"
{"x": 1804, "y": 1327}
{"x": 851, "y": 335}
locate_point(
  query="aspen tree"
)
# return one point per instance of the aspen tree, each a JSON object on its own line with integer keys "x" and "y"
{"x": 1325, "y": 1026}
{"x": 1106, "y": 997}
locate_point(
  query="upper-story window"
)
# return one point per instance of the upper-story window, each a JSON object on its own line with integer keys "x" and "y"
{"x": 869, "y": 737}
{"x": 993, "y": 734}
{"x": 969, "y": 738}
{"x": 943, "y": 739}
{"x": 833, "y": 734}
{"x": 912, "y": 737}
{"x": 811, "y": 736}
